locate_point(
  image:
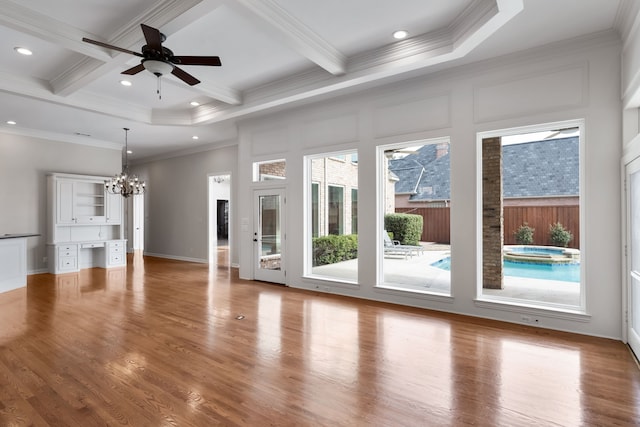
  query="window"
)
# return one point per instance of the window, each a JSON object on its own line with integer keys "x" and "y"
{"x": 331, "y": 207}
{"x": 315, "y": 209}
{"x": 414, "y": 203}
{"x": 269, "y": 171}
{"x": 531, "y": 217}
{"x": 336, "y": 210}
{"x": 354, "y": 211}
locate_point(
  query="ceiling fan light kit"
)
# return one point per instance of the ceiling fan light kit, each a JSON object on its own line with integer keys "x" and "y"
{"x": 160, "y": 60}
{"x": 156, "y": 67}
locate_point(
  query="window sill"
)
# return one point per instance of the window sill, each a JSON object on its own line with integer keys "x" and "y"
{"x": 523, "y": 307}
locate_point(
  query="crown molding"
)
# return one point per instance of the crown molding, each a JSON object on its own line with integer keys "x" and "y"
{"x": 60, "y": 137}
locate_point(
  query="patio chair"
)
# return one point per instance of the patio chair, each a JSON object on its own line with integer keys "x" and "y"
{"x": 393, "y": 247}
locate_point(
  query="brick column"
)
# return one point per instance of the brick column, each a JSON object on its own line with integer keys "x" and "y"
{"x": 492, "y": 215}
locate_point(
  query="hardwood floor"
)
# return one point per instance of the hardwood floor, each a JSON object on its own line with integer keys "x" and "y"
{"x": 167, "y": 343}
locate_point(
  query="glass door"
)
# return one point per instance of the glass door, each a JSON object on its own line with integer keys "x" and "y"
{"x": 268, "y": 235}
{"x": 633, "y": 258}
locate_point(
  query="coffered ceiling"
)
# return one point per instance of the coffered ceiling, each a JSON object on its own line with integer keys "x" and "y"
{"x": 275, "y": 53}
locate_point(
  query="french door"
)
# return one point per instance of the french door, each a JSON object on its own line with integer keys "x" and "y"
{"x": 633, "y": 258}
{"x": 268, "y": 235}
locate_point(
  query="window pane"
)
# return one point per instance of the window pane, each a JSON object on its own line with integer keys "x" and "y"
{"x": 268, "y": 171}
{"x": 332, "y": 213}
{"x": 336, "y": 210}
{"x": 354, "y": 211}
{"x": 415, "y": 235}
{"x": 531, "y": 195}
{"x": 315, "y": 206}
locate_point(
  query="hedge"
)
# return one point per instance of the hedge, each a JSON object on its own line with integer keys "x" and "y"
{"x": 407, "y": 228}
{"x": 334, "y": 248}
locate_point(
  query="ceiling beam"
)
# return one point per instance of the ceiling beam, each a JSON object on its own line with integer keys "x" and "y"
{"x": 293, "y": 33}
{"x": 48, "y": 29}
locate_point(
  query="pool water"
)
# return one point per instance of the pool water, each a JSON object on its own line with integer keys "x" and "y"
{"x": 561, "y": 272}
{"x": 535, "y": 250}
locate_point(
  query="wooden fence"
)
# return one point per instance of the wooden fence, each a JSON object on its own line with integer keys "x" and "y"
{"x": 437, "y": 222}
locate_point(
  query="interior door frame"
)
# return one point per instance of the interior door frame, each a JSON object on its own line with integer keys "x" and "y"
{"x": 272, "y": 276}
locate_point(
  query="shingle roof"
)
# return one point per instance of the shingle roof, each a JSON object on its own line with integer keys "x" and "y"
{"x": 532, "y": 169}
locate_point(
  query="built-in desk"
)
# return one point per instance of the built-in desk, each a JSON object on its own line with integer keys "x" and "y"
{"x": 72, "y": 256}
{"x": 13, "y": 260}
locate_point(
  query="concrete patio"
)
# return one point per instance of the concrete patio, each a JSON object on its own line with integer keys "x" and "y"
{"x": 416, "y": 274}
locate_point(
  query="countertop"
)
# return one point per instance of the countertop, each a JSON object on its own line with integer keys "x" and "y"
{"x": 17, "y": 235}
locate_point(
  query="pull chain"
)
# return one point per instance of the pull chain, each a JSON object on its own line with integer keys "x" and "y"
{"x": 159, "y": 89}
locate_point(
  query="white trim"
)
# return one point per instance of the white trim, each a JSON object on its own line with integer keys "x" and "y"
{"x": 175, "y": 257}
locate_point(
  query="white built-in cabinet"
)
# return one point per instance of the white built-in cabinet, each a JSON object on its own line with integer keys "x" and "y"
{"x": 85, "y": 226}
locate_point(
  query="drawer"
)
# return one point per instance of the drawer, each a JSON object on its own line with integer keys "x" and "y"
{"x": 68, "y": 263}
{"x": 116, "y": 244}
{"x": 113, "y": 250}
{"x": 116, "y": 259}
{"x": 68, "y": 251}
{"x": 67, "y": 248}
{"x": 92, "y": 245}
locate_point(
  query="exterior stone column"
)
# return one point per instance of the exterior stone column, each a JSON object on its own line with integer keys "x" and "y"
{"x": 492, "y": 214}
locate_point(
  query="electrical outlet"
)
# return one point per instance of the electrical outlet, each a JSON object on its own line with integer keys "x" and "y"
{"x": 528, "y": 319}
{"x": 44, "y": 259}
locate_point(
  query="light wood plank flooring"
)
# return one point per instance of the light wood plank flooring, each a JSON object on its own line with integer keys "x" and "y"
{"x": 167, "y": 343}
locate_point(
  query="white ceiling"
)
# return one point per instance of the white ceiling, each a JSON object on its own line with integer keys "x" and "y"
{"x": 274, "y": 53}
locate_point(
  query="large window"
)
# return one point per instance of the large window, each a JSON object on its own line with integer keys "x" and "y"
{"x": 331, "y": 236}
{"x": 531, "y": 217}
{"x": 415, "y": 201}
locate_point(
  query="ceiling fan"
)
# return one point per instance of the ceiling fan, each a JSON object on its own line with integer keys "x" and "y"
{"x": 160, "y": 60}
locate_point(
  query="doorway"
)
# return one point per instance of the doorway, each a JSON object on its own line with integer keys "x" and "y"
{"x": 219, "y": 220}
{"x": 633, "y": 257}
{"x": 268, "y": 236}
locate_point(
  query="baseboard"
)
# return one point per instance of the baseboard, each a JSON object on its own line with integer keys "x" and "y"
{"x": 38, "y": 271}
{"x": 177, "y": 258}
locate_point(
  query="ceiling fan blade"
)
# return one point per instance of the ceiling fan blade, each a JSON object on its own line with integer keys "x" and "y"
{"x": 134, "y": 70}
{"x": 196, "y": 60}
{"x": 108, "y": 46}
{"x": 184, "y": 76}
{"x": 153, "y": 37}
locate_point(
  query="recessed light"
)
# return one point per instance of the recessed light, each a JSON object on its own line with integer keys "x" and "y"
{"x": 11, "y": 122}
{"x": 194, "y": 137}
{"x": 400, "y": 34}
{"x": 125, "y": 83}
{"x": 194, "y": 103}
{"x": 23, "y": 50}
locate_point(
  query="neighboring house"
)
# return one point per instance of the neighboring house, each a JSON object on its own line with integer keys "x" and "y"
{"x": 534, "y": 173}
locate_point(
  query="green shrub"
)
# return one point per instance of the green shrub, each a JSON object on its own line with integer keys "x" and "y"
{"x": 334, "y": 248}
{"x": 524, "y": 234}
{"x": 559, "y": 236}
{"x": 407, "y": 228}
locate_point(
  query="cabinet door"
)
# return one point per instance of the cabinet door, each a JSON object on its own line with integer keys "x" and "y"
{"x": 64, "y": 202}
{"x": 113, "y": 208}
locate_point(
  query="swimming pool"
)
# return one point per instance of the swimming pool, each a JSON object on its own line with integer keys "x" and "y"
{"x": 561, "y": 272}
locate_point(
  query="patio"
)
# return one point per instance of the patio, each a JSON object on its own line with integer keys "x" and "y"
{"x": 416, "y": 274}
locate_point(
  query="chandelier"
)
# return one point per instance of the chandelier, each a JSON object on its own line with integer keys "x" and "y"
{"x": 124, "y": 183}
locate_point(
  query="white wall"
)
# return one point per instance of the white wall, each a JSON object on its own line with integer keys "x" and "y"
{"x": 176, "y": 203}
{"x": 24, "y": 164}
{"x": 574, "y": 80}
